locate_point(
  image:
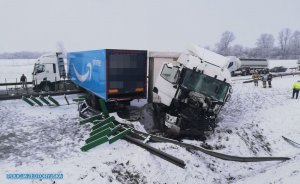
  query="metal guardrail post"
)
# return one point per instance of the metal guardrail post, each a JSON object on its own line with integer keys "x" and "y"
{"x": 27, "y": 101}
{"x": 6, "y": 87}
{"x": 98, "y": 135}
{"x": 36, "y": 100}
{"x": 108, "y": 125}
{"x": 94, "y": 143}
{"x": 16, "y": 86}
{"x": 115, "y": 129}
{"x": 78, "y": 100}
{"x": 55, "y": 89}
{"x": 91, "y": 119}
{"x": 66, "y": 100}
{"x": 119, "y": 136}
{"x": 53, "y": 100}
{"x": 44, "y": 100}
{"x": 103, "y": 122}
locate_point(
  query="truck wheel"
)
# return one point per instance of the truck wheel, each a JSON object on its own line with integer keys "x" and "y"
{"x": 47, "y": 86}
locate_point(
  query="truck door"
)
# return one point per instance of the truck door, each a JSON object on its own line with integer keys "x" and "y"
{"x": 166, "y": 83}
{"x": 38, "y": 72}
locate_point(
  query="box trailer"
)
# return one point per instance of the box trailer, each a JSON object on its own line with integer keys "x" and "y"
{"x": 110, "y": 74}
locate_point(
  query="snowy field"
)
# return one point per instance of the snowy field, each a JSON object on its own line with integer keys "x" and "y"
{"x": 48, "y": 140}
{"x": 12, "y": 69}
{"x": 285, "y": 63}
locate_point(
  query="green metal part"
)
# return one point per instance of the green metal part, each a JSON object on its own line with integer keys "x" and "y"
{"x": 44, "y": 100}
{"x": 82, "y": 96}
{"x": 78, "y": 99}
{"x": 91, "y": 119}
{"x": 36, "y": 100}
{"x": 27, "y": 101}
{"x": 105, "y": 132}
{"x": 66, "y": 100}
{"x": 108, "y": 125}
{"x": 94, "y": 143}
{"x": 114, "y": 130}
{"x": 119, "y": 136}
{"x": 53, "y": 100}
{"x": 96, "y": 121}
{"x": 101, "y": 123}
{"x": 103, "y": 107}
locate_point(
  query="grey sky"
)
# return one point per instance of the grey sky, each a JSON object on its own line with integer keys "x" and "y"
{"x": 168, "y": 25}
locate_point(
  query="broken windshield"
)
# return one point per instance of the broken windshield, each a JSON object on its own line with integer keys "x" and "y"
{"x": 209, "y": 86}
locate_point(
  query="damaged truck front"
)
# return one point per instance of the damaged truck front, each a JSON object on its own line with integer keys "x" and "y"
{"x": 189, "y": 95}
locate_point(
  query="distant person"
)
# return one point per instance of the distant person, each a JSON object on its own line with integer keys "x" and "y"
{"x": 255, "y": 77}
{"x": 269, "y": 78}
{"x": 23, "y": 81}
{"x": 264, "y": 80}
{"x": 296, "y": 88}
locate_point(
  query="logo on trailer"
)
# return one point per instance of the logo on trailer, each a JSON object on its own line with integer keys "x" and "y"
{"x": 87, "y": 75}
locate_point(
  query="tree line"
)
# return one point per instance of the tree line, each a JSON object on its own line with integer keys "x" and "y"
{"x": 21, "y": 55}
{"x": 287, "y": 46}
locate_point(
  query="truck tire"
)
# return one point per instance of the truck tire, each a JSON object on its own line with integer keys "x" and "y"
{"x": 46, "y": 86}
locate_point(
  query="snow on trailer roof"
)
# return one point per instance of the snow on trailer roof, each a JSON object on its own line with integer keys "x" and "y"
{"x": 159, "y": 54}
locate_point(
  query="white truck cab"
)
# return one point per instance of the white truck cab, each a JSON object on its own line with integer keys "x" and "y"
{"x": 190, "y": 93}
{"x": 48, "y": 69}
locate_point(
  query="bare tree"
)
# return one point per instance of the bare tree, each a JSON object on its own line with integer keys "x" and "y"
{"x": 284, "y": 38}
{"x": 238, "y": 51}
{"x": 265, "y": 45}
{"x": 294, "y": 45}
{"x": 223, "y": 47}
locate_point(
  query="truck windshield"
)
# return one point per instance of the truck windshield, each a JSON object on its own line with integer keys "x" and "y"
{"x": 209, "y": 86}
{"x": 38, "y": 68}
{"x": 170, "y": 74}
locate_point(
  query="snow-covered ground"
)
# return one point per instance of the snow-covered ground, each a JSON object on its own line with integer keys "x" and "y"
{"x": 48, "y": 140}
{"x": 286, "y": 63}
{"x": 12, "y": 69}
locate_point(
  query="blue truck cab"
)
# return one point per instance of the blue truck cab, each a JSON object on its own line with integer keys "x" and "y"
{"x": 110, "y": 74}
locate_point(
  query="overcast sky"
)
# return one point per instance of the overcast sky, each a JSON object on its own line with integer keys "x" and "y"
{"x": 168, "y": 25}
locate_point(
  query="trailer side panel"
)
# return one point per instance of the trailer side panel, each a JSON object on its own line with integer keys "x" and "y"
{"x": 87, "y": 69}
